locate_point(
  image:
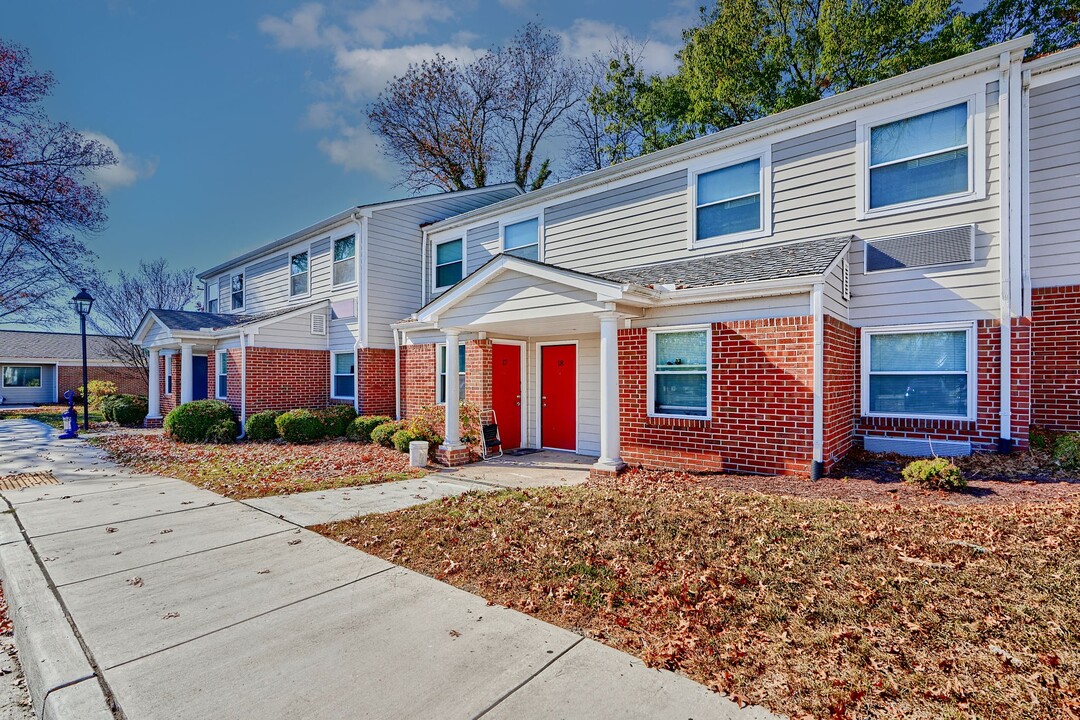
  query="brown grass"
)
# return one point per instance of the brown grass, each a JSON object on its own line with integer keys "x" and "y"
{"x": 811, "y": 607}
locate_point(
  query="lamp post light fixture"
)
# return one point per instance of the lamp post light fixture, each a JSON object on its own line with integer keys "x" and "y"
{"x": 83, "y": 302}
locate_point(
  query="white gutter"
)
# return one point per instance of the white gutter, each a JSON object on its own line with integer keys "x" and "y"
{"x": 243, "y": 382}
{"x": 817, "y": 307}
{"x": 423, "y": 265}
{"x": 360, "y": 219}
{"x": 1008, "y": 112}
{"x": 1025, "y": 201}
{"x": 397, "y": 374}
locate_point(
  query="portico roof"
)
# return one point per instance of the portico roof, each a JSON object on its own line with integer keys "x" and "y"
{"x": 194, "y": 324}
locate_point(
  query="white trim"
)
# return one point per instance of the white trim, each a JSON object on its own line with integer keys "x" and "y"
{"x": 538, "y": 216}
{"x": 817, "y": 305}
{"x": 218, "y": 374}
{"x": 334, "y": 374}
{"x": 302, "y": 250}
{"x": 334, "y": 285}
{"x": 764, "y": 156}
{"x": 435, "y": 263}
{"x": 974, "y": 96}
{"x": 972, "y": 371}
{"x": 362, "y": 286}
{"x": 523, "y": 351}
{"x": 540, "y": 394}
{"x": 168, "y": 372}
{"x": 440, "y": 370}
{"x": 650, "y": 375}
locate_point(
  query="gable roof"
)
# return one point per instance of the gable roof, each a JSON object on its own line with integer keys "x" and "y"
{"x": 802, "y": 259}
{"x": 31, "y": 344}
{"x": 190, "y": 322}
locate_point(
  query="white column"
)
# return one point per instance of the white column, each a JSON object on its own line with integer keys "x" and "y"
{"x": 452, "y": 435}
{"x": 610, "y": 459}
{"x": 153, "y": 393}
{"x": 186, "y": 381}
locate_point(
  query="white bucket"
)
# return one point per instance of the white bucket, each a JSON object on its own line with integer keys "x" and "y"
{"x": 418, "y": 453}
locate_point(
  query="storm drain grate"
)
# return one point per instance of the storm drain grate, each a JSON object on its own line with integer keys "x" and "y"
{"x": 25, "y": 480}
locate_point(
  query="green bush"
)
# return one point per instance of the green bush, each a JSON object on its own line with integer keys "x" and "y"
{"x": 336, "y": 419}
{"x": 360, "y": 428}
{"x": 300, "y": 426}
{"x": 223, "y": 432}
{"x": 1066, "y": 451}
{"x": 99, "y": 390}
{"x": 936, "y": 474}
{"x": 128, "y": 410}
{"x": 191, "y": 422}
{"x": 261, "y": 426}
{"x": 384, "y": 434}
{"x": 403, "y": 437}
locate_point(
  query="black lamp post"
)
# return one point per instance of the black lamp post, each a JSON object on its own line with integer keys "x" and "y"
{"x": 83, "y": 302}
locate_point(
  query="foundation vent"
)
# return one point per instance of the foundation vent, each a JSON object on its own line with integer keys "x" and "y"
{"x": 924, "y": 249}
{"x": 916, "y": 448}
{"x": 318, "y": 324}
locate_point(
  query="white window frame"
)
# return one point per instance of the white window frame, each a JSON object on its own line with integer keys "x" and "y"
{"x": 440, "y": 370}
{"x": 243, "y": 290}
{"x": 215, "y": 296}
{"x": 334, "y": 375}
{"x": 435, "y": 262}
{"x": 651, "y": 376}
{"x": 516, "y": 219}
{"x": 972, "y": 368}
{"x": 301, "y": 251}
{"x": 764, "y": 156}
{"x": 41, "y": 376}
{"x": 221, "y": 369}
{"x": 168, "y": 374}
{"x": 356, "y": 253}
{"x": 974, "y": 94}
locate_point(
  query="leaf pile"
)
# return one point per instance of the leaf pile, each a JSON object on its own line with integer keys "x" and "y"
{"x": 811, "y": 607}
{"x": 248, "y": 470}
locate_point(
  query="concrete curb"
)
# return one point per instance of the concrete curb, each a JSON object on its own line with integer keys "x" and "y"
{"x": 61, "y": 682}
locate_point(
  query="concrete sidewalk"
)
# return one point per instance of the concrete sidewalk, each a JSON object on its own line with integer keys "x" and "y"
{"x": 177, "y": 603}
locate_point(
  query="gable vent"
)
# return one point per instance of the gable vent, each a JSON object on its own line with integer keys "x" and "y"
{"x": 845, "y": 275}
{"x": 924, "y": 249}
{"x": 318, "y": 324}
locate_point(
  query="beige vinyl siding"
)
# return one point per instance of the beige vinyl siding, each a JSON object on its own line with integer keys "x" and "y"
{"x": 1054, "y": 156}
{"x": 482, "y": 244}
{"x": 320, "y": 264}
{"x": 263, "y": 284}
{"x": 518, "y": 298}
{"x": 833, "y": 301}
{"x": 224, "y": 293}
{"x": 292, "y": 333}
{"x": 155, "y": 333}
{"x": 343, "y": 334}
{"x": 45, "y": 393}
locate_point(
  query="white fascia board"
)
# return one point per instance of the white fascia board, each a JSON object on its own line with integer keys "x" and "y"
{"x": 144, "y": 326}
{"x": 744, "y": 291}
{"x": 1053, "y": 62}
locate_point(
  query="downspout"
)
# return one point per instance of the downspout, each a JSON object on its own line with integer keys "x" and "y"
{"x": 360, "y": 220}
{"x": 243, "y": 383}
{"x": 1025, "y": 202}
{"x": 423, "y": 267}
{"x": 1004, "y": 232}
{"x": 397, "y": 373}
{"x": 817, "y": 466}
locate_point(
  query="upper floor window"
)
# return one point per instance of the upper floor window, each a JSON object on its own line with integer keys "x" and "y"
{"x": 238, "y": 291}
{"x": 730, "y": 201}
{"x": 679, "y": 372}
{"x": 212, "y": 297}
{"x": 298, "y": 274}
{"x": 522, "y": 239}
{"x": 440, "y": 391}
{"x": 345, "y": 260}
{"x": 449, "y": 265}
{"x": 920, "y": 157}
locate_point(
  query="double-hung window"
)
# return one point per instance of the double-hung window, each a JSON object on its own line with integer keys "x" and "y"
{"x": 344, "y": 380}
{"x": 24, "y": 377}
{"x": 679, "y": 372}
{"x": 168, "y": 374}
{"x": 921, "y": 157}
{"x": 223, "y": 375}
{"x": 449, "y": 263}
{"x": 440, "y": 396}
{"x": 918, "y": 372}
{"x": 730, "y": 202}
{"x": 299, "y": 274}
{"x": 344, "y": 260}
{"x": 522, "y": 239}
{"x": 212, "y": 297}
{"x": 238, "y": 291}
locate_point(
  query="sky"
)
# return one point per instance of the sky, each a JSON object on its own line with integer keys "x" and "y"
{"x": 240, "y": 122}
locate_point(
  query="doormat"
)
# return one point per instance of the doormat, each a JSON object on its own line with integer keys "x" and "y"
{"x": 25, "y": 480}
{"x": 521, "y": 451}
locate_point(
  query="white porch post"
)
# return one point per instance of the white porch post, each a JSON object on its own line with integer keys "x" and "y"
{"x": 610, "y": 460}
{"x": 186, "y": 380}
{"x": 452, "y": 435}
{"x": 153, "y": 393}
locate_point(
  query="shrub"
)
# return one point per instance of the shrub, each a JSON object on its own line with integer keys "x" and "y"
{"x": 223, "y": 432}
{"x": 384, "y": 434}
{"x": 300, "y": 426}
{"x": 360, "y": 428}
{"x": 1066, "y": 451}
{"x": 261, "y": 426}
{"x": 99, "y": 390}
{"x": 129, "y": 410}
{"x": 336, "y": 419}
{"x": 406, "y": 435}
{"x": 936, "y": 474}
{"x": 192, "y": 421}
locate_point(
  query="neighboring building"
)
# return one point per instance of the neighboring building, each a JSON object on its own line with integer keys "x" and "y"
{"x": 895, "y": 266}
{"x": 39, "y": 367}
{"x": 303, "y": 321}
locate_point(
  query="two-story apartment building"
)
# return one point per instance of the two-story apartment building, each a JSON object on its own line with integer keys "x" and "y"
{"x": 303, "y": 321}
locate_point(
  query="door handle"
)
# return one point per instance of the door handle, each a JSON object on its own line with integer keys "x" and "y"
{"x": 518, "y": 404}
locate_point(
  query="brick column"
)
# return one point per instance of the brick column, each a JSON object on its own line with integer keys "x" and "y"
{"x": 478, "y": 374}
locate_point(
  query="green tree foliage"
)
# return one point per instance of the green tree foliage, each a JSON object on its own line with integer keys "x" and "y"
{"x": 1054, "y": 23}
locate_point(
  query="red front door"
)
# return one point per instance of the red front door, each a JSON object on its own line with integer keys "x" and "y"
{"x": 506, "y": 392}
{"x": 558, "y": 396}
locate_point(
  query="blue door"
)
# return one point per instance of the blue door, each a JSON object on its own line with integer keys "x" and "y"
{"x": 198, "y": 377}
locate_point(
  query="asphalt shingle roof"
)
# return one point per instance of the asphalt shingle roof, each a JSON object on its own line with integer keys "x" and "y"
{"x": 16, "y": 344}
{"x": 194, "y": 321}
{"x": 803, "y": 259}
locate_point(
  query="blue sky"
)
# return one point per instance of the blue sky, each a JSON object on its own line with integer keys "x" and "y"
{"x": 240, "y": 122}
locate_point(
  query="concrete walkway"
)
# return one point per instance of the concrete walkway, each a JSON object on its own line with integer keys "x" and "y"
{"x": 174, "y": 602}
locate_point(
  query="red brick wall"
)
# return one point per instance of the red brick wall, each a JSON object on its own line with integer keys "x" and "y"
{"x": 1055, "y": 349}
{"x": 762, "y": 402}
{"x": 171, "y": 400}
{"x": 280, "y": 379}
{"x": 478, "y": 374}
{"x": 839, "y": 383}
{"x": 130, "y": 381}
{"x": 375, "y": 381}
{"x": 417, "y": 378}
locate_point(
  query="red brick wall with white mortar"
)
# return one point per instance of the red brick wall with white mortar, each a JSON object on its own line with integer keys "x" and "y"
{"x": 478, "y": 374}
{"x": 1055, "y": 349}
{"x": 762, "y": 402}
{"x": 839, "y": 383}
{"x": 375, "y": 381}
{"x": 417, "y": 378}
{"x": 281, "y": 379}
{"x": 129, "y": 381}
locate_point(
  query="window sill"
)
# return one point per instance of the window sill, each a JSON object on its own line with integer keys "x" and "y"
{"x": 680, "y": 418}
{"x": 914, "y": 206}
{"x": 930, "y": 418}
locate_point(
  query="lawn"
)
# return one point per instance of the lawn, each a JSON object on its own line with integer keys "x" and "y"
{"x": 812, "y": 607}
{"x": 247, "y": 470}
{"x": 50, "y": 415}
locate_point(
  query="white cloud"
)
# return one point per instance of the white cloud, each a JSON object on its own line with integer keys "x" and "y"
{"x": 302, "y": 29}
{"x": 384, "y": 19}
{"x": 128, "y": 168}
{"x": 585, "y": 38}
{"x": 357, "y": 148}
{"x": 364, "y": 72}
